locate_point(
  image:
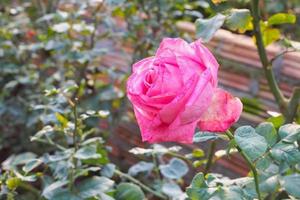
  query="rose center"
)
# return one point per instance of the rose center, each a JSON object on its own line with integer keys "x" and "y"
{"x": 150, "y": 78}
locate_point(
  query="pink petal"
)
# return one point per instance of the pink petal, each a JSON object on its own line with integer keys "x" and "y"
{"x": 223, "y": 112}
{"x": 207, "y": 59}
{"x": 198, "y": 103}
{"x": 154, "y": 134}
{"x": 169, "y": 113}
{"x": 142, "y": 64}
{"x": 175, "y": 46}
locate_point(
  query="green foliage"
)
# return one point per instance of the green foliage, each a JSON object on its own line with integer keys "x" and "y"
{"x": 129, "y": 191}
{"x": 57, "y": 50}
{"x": 205, "y": 136}
{"x": 291, "y": 184}
{"x": 47, "y": 49}
{"x": 175, "y": 169}
{"x": 276, "y": 157}
{"x": 239, "y": 20}
{"x": 253, "y": 144}
{"x": 206, "y": 28}
{"x": 148, "y": 22}
{"x": 281, "y": 18}
{"x": 172, "y": 190}
{"x": 215, "y": 186}
{"x": 268, "y": 131}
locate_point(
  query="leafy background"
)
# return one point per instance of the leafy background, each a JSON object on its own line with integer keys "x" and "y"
{"x": 63, "y": 70}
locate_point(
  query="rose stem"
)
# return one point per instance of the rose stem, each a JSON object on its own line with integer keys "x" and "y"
{"x": 252, "y": 167}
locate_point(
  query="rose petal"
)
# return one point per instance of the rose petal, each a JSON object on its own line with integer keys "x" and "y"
{"x": 199, "y": 103}
{"x": 153, "y": 134}
{"x": 207, "y": 59}
{"x": 223, "y": 111}
{"x": 142, "y": 64}
{"x": 175, "y": 46}
{"x": 169, "y": 113}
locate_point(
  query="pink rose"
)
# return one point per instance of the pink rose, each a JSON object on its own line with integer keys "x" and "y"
{"x": 176, "y": 90}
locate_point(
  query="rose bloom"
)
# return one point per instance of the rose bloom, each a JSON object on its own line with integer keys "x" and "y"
{"x": 176, "y": 91}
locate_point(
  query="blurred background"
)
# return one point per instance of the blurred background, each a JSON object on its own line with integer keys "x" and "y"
{"x": 46, "y": 45}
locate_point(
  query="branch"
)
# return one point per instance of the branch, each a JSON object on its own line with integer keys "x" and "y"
{"x": 146, "y": 188}
{"x": 293, "y": 105}
{"x": 210, "y": 156}
{"x": 281, "y": 54}
{"x": 280, "y": 99}
{"x": 30, "y": 188}
{"x": 250, "y": 164}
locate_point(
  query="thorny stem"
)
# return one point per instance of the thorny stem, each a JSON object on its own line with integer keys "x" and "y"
{"x": 156, "y": 168}
{"x": 180, "y": 156}
{"x": 74, "y": 161}
{"x": 287, "y": 107}
{"x": 293, "y": 105}
{"x": 281, "y": 54}
{"x": 96, "y": 23}
{"x": 75, "y": 125}
{"x": 280, "y": 99}
{"x": 143, "y": 186}
{"x": 49, "y": 141}
{"x": 211, "y": 153}
{"x": 252, "y": 167}
{"x": 31, "y": 189}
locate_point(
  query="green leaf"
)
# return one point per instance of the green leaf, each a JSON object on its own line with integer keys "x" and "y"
{"x": 250, "y": 142}
{"x": 31, "y": 164}
{"x": 58, "y": 156}
{"x": 175, "y": 169}
{"x": 46, "y": 130}
{"x": 276, "y": 121}
{"x": 129, "y": 191}
{"x": 20, "y": 159}
{"x": 270, "y": 35}
{"x": 239, "y": 20}
{"x": 270, "y": 184}
{"x": 53, "y": 189}
{"x": 282, "y": 18}
{"x": 141, "y": 166}
{"x": 229, "y": 193}
{"x": 85, "y": 171}
{"x": 108, "y": 170}
{"x": 13, "y": 183}
{"x": 291, "y": 184}
{"x": 87, "y": 152}
{"x": 206, "y": 28}
{"x": 205, "y": 136}
{"x": 217, "y": 187}
{"x": 285, "y": 152}
{"x": 199, "y": 181}
{"x": 198, "y": 163}
{"x": 94, "y": 186}
{"x": 64, "y": 194}
{"x": 172, "y": 190}
{"x": 268, "y": 131}
{"x": 31, "y": 178}
{"x": 263, "y": 163}
{"x": 289, "y": 132}
{"x": 61, "y": 119}
{"x": 198, "y": 153}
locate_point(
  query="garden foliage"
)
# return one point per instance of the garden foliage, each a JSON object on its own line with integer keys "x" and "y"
{"x": 59, "y": 102}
